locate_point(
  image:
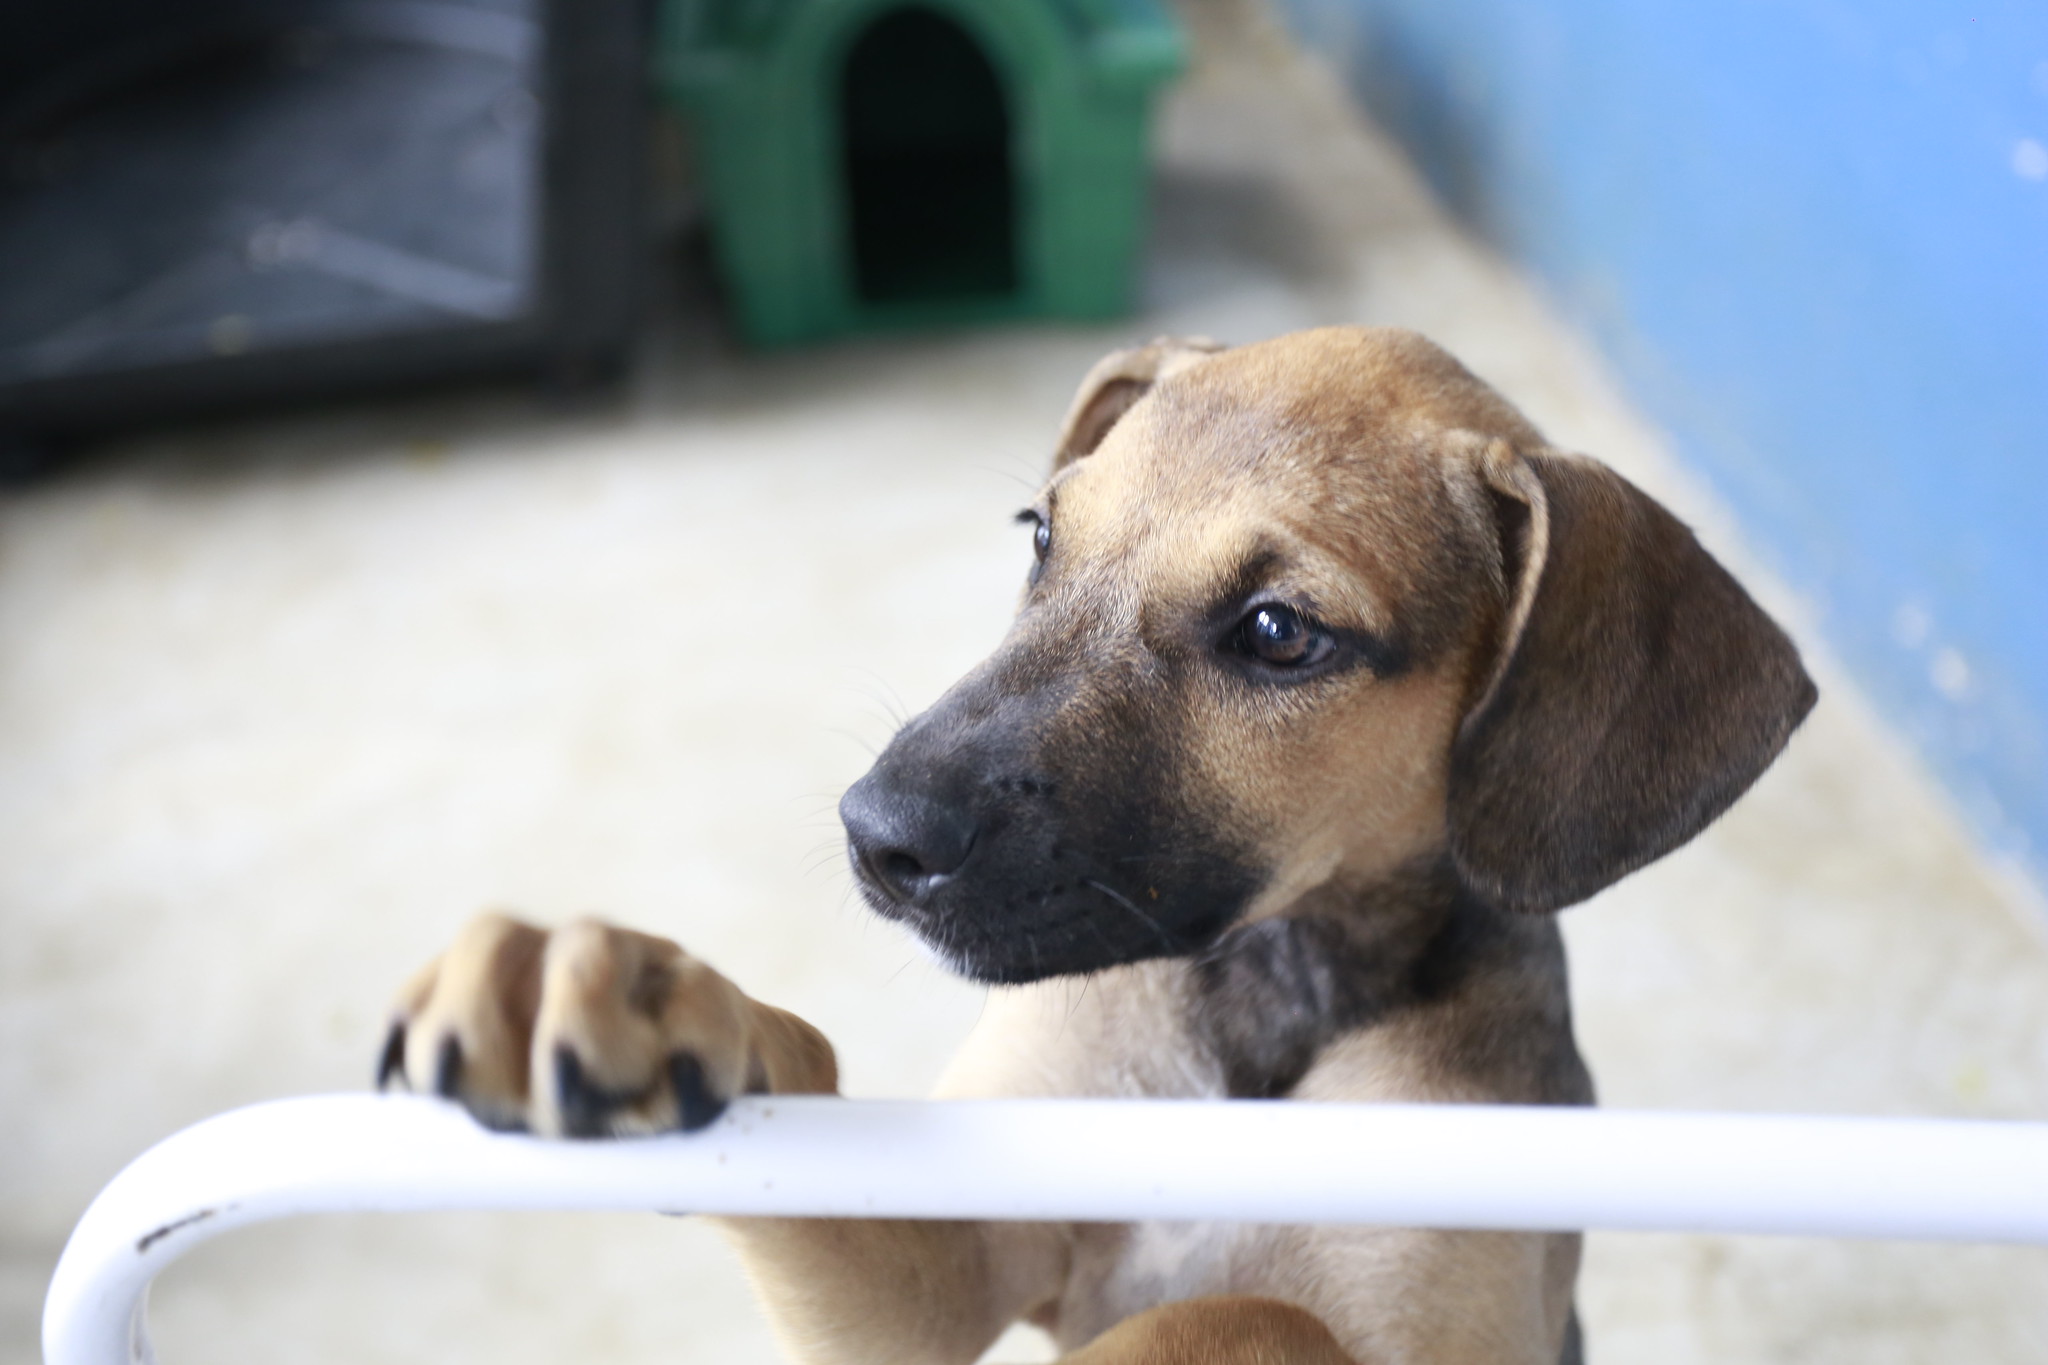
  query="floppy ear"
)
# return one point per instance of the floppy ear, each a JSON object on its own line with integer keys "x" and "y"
{"x": 1637, "y": 693}
{"x": 1115, "y": 385}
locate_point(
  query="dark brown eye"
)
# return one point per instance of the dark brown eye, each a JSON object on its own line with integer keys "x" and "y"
{"x": 1041, "y": 539}
{"x": 1282, "y": 637}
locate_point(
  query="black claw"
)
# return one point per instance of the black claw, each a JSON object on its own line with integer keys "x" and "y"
{"x": 696, "y": 1105}
{"x": 448, "y": 1069}
{"x": 584, "y": 1107}
{"x": 391, "y": 1062}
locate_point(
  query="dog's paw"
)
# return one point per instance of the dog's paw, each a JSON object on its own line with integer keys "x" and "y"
{"x": 586, "y": 1031}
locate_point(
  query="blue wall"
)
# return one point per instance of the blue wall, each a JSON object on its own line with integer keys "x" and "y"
{"x": 1813, "y": 236}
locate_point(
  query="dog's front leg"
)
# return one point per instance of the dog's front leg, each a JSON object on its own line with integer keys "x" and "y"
{"x": 596, "y": 1031}
{"x": 888, "y": 1291}
{"x": 1218, "y": 1329}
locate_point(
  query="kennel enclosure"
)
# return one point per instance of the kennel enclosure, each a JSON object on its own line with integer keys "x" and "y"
{"x": 870, "y": 164}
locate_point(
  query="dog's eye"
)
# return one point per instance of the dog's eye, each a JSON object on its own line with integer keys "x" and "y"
{"x": 1281, "y": 636}
{"x": 1278, "y": 635}
{"x": 1041, "y": 535}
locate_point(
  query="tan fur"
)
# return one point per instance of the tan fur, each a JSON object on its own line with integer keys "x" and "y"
{"x": 510, "y": 994}
{"x": 1375, "y": 479}
{"x": 1223, "y": 1329}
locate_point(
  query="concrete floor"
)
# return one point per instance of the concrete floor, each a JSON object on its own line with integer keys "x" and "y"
{"x": 281, "y": 703}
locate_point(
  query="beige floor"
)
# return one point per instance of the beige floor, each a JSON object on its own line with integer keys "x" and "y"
{"x": 281, "y": 703}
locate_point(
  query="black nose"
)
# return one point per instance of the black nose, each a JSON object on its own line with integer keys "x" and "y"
{"x": 905, "y": 846}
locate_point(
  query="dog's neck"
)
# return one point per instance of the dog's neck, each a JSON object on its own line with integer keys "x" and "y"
{"x": 1270, "y": 996}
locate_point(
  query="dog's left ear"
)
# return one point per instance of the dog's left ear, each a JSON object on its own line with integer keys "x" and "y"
{"x": 1636, "y": 693}
{"x": 1114, "y": 386}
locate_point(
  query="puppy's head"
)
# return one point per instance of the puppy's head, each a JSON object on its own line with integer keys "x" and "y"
{"x": 1302, "y": 614}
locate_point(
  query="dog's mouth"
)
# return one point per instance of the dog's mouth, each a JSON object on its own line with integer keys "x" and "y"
{"x": 1050, "y": 920}
{"x": 1018, "y": 843}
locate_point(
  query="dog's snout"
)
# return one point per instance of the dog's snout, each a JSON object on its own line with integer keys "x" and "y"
{"x": 905, "y": 846}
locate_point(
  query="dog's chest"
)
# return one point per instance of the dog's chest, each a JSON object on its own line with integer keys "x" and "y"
{"x": 1249, "y": 1019}
{"x": 1121, "y": 1269}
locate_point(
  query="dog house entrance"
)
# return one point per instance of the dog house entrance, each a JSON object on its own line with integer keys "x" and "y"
{"x": 930, "y": 193}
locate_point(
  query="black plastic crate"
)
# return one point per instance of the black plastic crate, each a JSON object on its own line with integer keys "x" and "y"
{"x": 206, "y": 204}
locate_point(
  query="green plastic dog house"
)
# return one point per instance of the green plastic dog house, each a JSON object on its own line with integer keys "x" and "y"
{"x": 872, "y": 163}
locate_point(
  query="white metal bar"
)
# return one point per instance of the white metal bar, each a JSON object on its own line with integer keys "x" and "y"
{"x": 1100, "y": 1160}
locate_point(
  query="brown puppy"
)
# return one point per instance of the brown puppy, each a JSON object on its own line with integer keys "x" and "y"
{"x": 1331, "y": 679}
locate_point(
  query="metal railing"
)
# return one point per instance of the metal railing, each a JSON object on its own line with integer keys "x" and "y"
{"x": 1467, "y": 1166}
